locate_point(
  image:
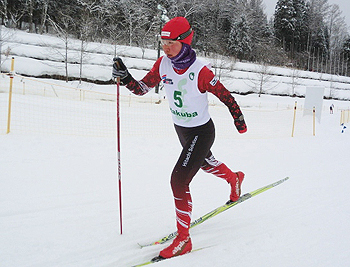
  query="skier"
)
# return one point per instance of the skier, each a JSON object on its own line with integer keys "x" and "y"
{"x": 186, "y": 81}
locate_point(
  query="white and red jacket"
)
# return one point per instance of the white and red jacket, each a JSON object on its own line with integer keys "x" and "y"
{"x": 187, "y": 92}
{"x": 188, "y": 105}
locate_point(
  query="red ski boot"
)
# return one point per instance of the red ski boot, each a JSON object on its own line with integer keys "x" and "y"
{"x": 235, "y": 182}
{"x": 181, "y": 245}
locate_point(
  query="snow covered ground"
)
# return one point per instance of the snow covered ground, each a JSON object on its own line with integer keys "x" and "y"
{"x": 59, "y": 193}
{"x": 59, "y": 200}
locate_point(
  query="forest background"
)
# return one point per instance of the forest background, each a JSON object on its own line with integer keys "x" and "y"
{"x": 308, "y": 35}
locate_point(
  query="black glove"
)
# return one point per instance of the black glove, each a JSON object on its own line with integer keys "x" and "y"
{"x": 240, "y": 124}
{"x": 119, "y": 70}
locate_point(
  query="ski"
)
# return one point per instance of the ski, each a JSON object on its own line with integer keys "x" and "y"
{"x": 229, "y": 204}
{"x": 159, "y": 258}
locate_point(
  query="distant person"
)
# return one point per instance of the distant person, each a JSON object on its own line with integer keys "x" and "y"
{"x": 343, "y": 128}
{"x": 187, "y": 81}
{"x": 331, "y": 109}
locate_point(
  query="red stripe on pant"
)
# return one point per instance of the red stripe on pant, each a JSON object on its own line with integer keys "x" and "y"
{"x": 183, "y": 207}
{"x": 220, "y": 170}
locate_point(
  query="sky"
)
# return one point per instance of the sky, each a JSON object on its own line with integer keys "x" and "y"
{"x": 343, "y": 4}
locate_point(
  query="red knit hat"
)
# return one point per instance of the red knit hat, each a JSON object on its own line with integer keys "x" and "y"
{"x": 178, "y": 29}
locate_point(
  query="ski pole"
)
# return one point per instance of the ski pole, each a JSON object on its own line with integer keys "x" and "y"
{"x": 118, "y": 155}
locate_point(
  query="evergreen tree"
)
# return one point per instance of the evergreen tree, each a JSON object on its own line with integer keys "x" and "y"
{"x": 301, "y": 25}
{"x": 318, "y": 41}
{"x": 291, "y": 25}
{"x": 211, "y": 26}
{"x": 239, "y": 39}
{"x": 284, "y": 23}
{"x": 260, "y": 32}
{"x": 346, "y": 48}
{"x": 346, "y": 56}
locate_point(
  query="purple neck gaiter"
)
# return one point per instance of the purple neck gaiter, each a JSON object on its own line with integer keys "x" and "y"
{"x": 185, "y": 58}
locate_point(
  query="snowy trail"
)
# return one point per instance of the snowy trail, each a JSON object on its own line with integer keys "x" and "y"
{"x": 59, "y": 203}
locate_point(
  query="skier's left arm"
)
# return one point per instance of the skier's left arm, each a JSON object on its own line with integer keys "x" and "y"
{"x": 208, "y": 82}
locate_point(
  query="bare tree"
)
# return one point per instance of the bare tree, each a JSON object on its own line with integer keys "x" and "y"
{"x": 295, "y": 75}
{"x": 182, "y": 8}
{"x": 128, "y": 8}
{"x": 30, "y": 10}
{"x": 5, "y": 36}
{"x": 317, "y": 11}
{"x": 16, "y": 14}
{"x": 85, "y": 27}
{"x": 114, "y": 26}
{"x": 43, "y": 14}
{"x": 61, "y": 28}
{"x": 261, "y": 81}
{"x": 337, "y": 36}
{"x": 3, "y": 11}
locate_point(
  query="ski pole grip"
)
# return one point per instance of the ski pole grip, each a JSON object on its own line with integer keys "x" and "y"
{"x": 118, "y": 65}
{"x": 116, "y": 62}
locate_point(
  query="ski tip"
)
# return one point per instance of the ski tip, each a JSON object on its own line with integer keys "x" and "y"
{"x": 284, "y": 179}
{"x": 142, "y": 246}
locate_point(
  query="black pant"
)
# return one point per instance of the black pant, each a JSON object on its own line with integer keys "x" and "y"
{"x": 196, "y": 143}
